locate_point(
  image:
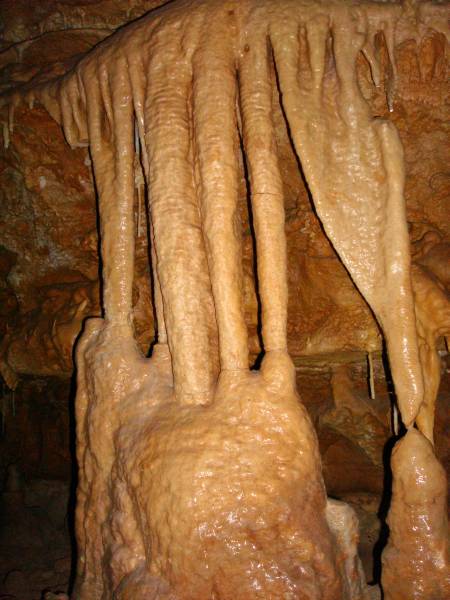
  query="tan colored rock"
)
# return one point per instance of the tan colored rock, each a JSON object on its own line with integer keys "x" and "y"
{"x": 200, "y": 478}
{"x": 343, "y": 522}
{"x": 417, "y": 566}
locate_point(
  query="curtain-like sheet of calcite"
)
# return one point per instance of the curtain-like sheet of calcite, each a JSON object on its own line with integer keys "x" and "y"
{"x": 198, "y": 477}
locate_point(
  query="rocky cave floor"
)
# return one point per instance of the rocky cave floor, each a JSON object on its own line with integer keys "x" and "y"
{"x": 36, "y": 501}
{"x": 37, "y": 469}
{"x": 36, "y": 549}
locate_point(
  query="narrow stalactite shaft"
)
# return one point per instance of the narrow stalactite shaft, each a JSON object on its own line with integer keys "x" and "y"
{"x": 399, "y": 328}
{"x": 266, "y": 191}
{"x": 214, "y": 98}
{"x": 73, "y": 112}
{"x": 112, "y": 150}
{"x": 431, "y": 365}
{"x": 160, "y": 327}
{"x": 181, "y": 261}
{"x": 123, "y": 123}
{"x": 139, "y": 83}
{"x": 432, "y": 308}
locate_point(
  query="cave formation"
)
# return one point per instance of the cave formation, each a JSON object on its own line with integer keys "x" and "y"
{"x": 198, "y": 476}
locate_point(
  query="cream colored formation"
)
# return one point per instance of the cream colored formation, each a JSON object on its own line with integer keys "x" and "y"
{"x": 198, "y": 477}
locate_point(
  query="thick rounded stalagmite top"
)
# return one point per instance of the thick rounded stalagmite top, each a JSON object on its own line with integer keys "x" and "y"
{"x": 416, "y": 560}
{"x": 418, "y": 475}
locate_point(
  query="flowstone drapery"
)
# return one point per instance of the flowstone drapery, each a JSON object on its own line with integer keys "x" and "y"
{"x": 199, "y": 478}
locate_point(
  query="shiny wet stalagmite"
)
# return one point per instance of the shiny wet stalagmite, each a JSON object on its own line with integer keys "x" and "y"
{"x": 200, "y": 478}
{"x": 418, "y": 565}
{"x": 419, "y": 505}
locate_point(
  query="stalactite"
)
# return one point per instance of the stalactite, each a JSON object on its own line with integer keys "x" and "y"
{"x": 266, "y": 188}
{"x": 216, "y": 145}
{"x": 363, "y": 213}
{"x": 114, "y": 176}
{"x": 138, "y": 180}
{"x": 139, "y": 84}
{"x": 180, "y": 254}
{"x": 199, "y": 478}
{"x": 432, "y": 305}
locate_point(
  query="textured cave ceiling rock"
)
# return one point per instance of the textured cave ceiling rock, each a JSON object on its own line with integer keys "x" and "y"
{"x": 45, "y": 38}
{"x": 20, "y": 23}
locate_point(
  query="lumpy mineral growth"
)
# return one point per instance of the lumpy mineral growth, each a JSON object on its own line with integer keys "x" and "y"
{"x": 417, "y": 565}
{"x": 200, "y": 478}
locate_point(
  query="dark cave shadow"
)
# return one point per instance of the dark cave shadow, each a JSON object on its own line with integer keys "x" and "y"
{"x": 71, "y": 505}
{"x": 258, "y": 360}
{"x": 151, "y": 268}
{"x": 99, "y": 252}
{"x": 386, "y": 496}
{"x": 382, "y": 512}
{"x": 73, "y": 484}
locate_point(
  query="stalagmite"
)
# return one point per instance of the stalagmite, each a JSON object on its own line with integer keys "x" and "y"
{"x": 175, "y": 214}
{"x": 200, "y": 478}
{"x": 416, "y": 559}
